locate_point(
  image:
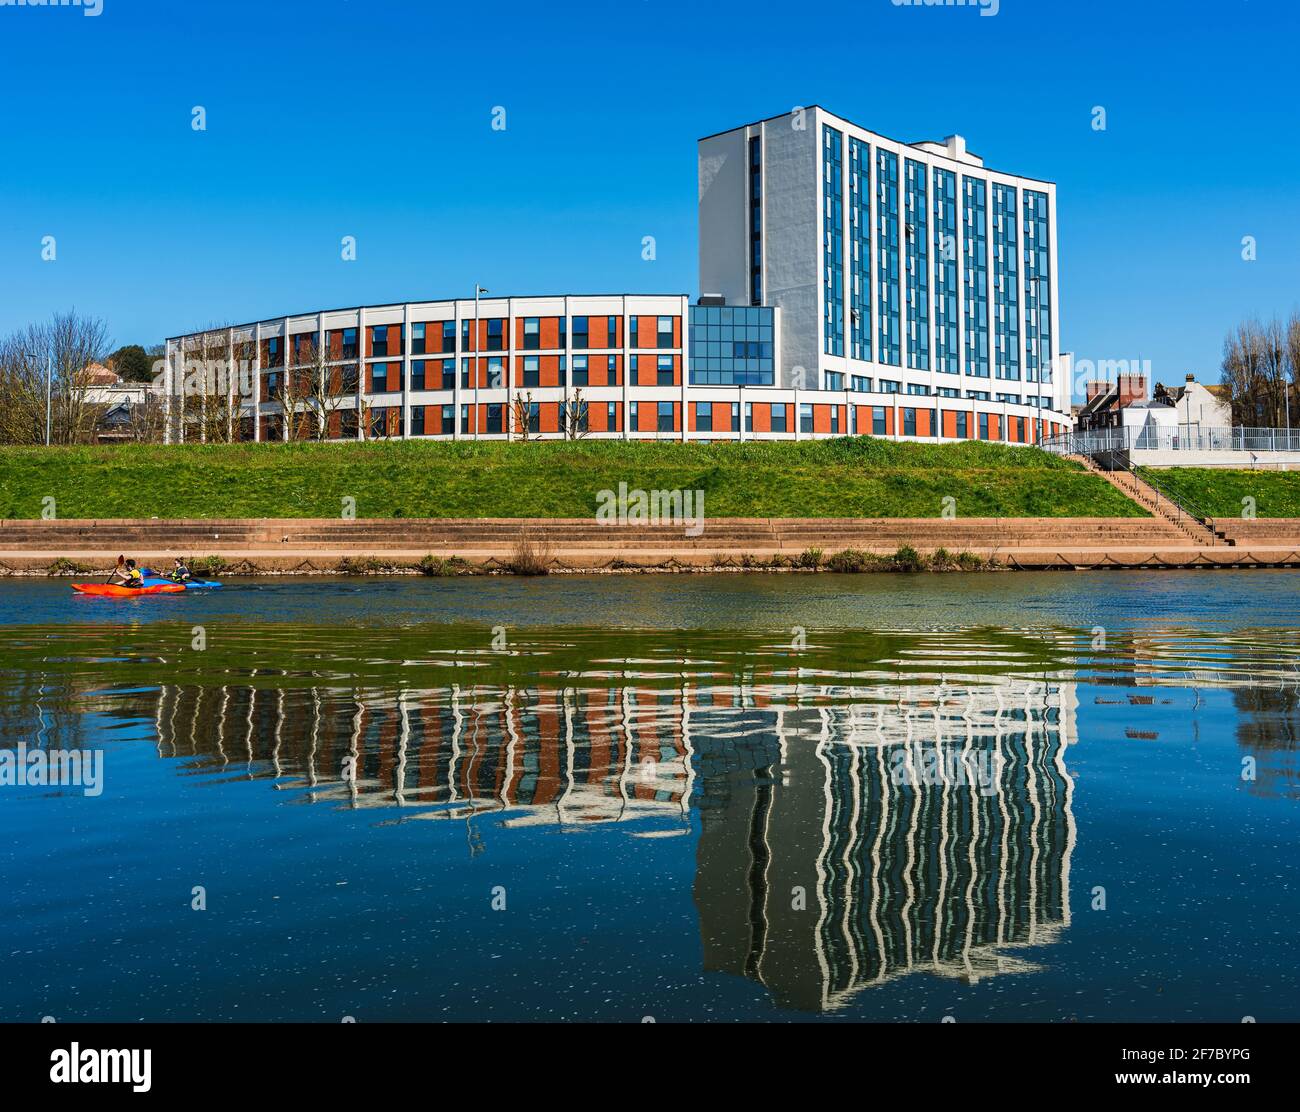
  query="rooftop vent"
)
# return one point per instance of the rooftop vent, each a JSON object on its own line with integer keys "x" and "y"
{"x": 954, "y": 147}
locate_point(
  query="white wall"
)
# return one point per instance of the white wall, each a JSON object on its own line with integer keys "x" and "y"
{"x": 724, "y": 217}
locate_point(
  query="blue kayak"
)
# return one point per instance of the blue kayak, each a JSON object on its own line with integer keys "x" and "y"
{"x": 153, "y": 580}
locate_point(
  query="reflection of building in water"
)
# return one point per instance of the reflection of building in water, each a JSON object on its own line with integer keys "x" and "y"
{"x": 859, "y": 857}
{"x": 549, "y": 756}
{"x": 928, "y": 826}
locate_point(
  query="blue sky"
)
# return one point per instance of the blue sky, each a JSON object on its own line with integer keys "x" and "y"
{"x": 372, "y": 119}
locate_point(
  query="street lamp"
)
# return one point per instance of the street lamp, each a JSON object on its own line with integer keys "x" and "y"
{"x": 474, "y": 362}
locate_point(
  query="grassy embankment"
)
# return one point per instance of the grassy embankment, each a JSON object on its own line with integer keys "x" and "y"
{"x": 1217, "y": 492}
{"x": 858, "y": 477}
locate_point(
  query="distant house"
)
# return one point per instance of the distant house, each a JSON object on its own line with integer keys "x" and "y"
{"x": 1197, "y": 406}
{"x": 96, "y": 375}
{"x": 1121, "y": 404}
{"x": 104, "y": 387}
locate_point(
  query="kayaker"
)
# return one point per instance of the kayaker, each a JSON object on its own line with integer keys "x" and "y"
{"x": 133, "y": 576}
{"x": 180, "y": 573}
{"x": 119, "y": 572}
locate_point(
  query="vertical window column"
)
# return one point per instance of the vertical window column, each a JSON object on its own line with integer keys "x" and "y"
{"x": 860, "y": 250}
{"x": 946, "y": 354}
{"x": 832, "y": 241}
{"x": 888, "y": 340}
{"x": 974, "y": 215}
{"x": 1038, "y": 288}
{"x": 1006, "y": 283}
{"x": 918, "y": 268}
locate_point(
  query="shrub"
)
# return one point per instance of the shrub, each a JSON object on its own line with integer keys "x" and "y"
{"x": 207, "y": 565}
{"x": 363, "y": 565}
{"x": 810, "y": 558}
{"x": 64, "y": 566}
{"x": 436, "y": 565}
{"x": 851, "y": 560}
{"x": 532, "y": 554}
{"x": 907, "y": 559}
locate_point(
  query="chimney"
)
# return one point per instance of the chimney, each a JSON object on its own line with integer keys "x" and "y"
{"x": 956, "y": 145}
{"x": 1132, "y": 388}
{"x": 1093, "y": 388}
{"x": 1191, "y": 377}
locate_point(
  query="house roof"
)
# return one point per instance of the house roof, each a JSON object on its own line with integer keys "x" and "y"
{"x": 1100, "y": 402}
{"x": 1176, "y": 392}
{"x": 96, "y": 374}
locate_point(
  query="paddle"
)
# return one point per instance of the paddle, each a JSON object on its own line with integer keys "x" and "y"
{"x": 120, "y": 561}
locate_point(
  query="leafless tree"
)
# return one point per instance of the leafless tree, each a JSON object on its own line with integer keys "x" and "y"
{"x": 1261, "y": 369}
{"x": 573, "y": 416}
{"x": 209, "y": 387}
{"x": 62, "y": 348}
{"x": 521, "y": 412}
{"x": 148, "y": 418}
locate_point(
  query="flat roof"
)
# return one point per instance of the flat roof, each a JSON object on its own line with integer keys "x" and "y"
{"x": 900, "y": 142}
{"x": 400, "y": 304}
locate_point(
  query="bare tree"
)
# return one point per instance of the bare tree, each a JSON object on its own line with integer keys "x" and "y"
{"x": 148, "y": 418}
{"x": 323, "y": 388}
{"x": 51, "y": 357}
{"x": 209, "y": 387}
{"x": 1261, "y": 370}
{"x": 521, "y": 416}
{"x": 573, "y": 416}
{"x": 1243, "y": 373}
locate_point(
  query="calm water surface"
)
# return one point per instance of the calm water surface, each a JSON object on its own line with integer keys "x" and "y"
{"x": 994, "y": 797}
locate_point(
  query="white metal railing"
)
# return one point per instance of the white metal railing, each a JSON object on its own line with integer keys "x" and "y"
{"x": 1180, "y": 438}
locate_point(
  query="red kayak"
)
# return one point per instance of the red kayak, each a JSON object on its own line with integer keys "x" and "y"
{"x": 112, "y": 590}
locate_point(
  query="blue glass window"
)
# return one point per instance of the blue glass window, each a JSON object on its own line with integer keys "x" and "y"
{"x": 833, "y": 241}
{"x": 916, "y": 232}
{"x": 888, "y": 337}
{"x": 946, "y": 354}
{"x": 859, "y": 250}
{"x": 1039, "y": 351}
{"x": 1006, "y": 283}
{"x": 974, "y": 214}
{"x": 731, "y": 345}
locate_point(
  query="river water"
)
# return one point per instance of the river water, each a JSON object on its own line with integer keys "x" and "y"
{"x": 896, "y": 797}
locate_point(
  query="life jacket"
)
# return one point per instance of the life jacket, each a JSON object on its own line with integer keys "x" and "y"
{"x": 133, "y": 575}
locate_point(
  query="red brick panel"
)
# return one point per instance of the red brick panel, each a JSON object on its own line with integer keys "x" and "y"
{"x": 646, "y": 334}
{"x": 394, "y": 340}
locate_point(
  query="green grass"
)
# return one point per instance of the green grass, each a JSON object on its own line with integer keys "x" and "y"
{"x": 1219, "y": 492}
{"x": 848, "y": 477}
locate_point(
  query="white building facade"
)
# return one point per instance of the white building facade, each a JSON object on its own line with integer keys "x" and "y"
{"x": 849, "y": 285}
{"x": 909, "y": 276}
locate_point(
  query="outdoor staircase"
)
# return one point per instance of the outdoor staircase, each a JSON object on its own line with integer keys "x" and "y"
{"x": 1133, "y": 486}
